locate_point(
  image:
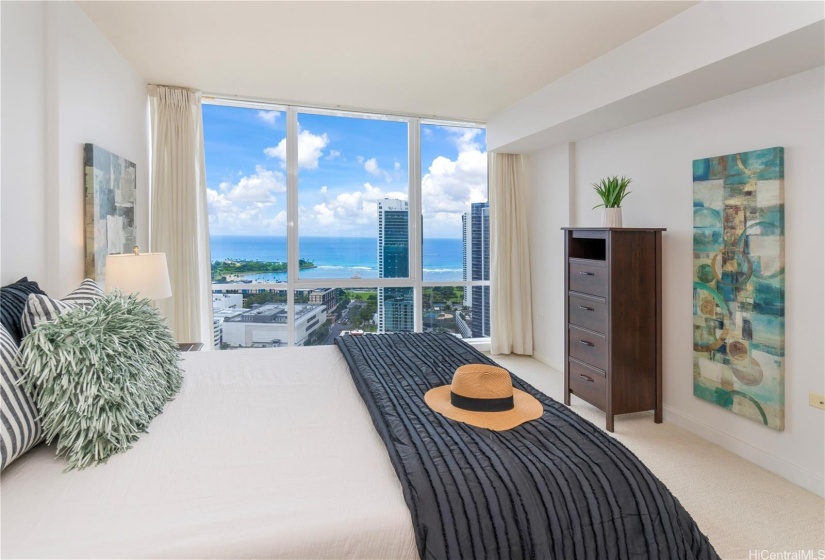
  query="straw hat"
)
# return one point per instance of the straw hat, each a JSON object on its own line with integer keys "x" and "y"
{"x": 483, "y": 396}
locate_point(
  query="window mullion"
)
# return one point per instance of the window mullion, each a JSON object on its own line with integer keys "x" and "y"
{"x": 292, "y": 217}
{"x": 415, "y": 229}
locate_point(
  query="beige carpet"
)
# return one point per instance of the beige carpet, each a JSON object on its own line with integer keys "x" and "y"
{"x": 746, "y": 511}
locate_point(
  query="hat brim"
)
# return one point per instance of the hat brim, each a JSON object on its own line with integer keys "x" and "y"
{"x": 526, "y": 407}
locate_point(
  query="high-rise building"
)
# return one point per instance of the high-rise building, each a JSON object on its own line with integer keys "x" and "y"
{"x": 467, "y": 261}
{"x": 480, "y": 258}
{"x": 395, "y": 305}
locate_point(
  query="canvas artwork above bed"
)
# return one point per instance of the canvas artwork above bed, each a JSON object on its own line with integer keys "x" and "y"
{"x": 111, "y": 185}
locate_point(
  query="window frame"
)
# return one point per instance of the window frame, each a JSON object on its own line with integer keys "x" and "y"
{"x": 415, "y": 279}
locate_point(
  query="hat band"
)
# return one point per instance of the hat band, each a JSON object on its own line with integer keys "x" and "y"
{"x": 481, "y": 405}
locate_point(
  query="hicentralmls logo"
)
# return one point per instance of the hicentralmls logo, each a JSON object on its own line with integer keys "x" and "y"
{"x": 786, "y": 555}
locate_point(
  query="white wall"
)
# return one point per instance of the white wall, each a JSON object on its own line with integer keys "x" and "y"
{"x": 67, "y": 86}
{"x": 550, "y": 186}
{"x": 23, "y": 172}
{"x": 658, "y": 155}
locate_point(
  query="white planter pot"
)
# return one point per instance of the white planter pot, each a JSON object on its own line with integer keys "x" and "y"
{"x": 612, "y": 217}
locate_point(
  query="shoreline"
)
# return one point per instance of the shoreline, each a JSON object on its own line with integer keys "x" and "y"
{"x": 219, "y": 268}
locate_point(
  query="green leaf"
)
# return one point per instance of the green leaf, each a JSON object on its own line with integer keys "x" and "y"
{"x": 612, "y": 191}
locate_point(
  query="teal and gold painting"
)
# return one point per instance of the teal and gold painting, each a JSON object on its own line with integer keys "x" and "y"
{"x": 739, "y": 284}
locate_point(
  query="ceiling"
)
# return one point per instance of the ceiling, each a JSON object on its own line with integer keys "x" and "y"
{"x": 459, "y": 60}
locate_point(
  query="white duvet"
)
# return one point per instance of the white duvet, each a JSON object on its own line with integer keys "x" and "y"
{"x": 263, "y": 454}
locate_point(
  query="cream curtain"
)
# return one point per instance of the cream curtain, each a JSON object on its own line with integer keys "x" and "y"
{"x": 179, "y": 222}
{"x": 511, "y": 322}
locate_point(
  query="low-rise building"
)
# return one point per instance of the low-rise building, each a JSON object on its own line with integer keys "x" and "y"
{"x": 227, "y": 301}
{"x": 266, "y": 326}
{"x": 219, "y": 314}
{"x": 324, "y": 296}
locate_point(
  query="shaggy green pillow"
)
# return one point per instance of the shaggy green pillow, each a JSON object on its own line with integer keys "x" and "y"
{"x": 99, "y": 375}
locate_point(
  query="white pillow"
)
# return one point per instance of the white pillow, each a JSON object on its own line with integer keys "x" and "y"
{"x": 41, "y": 308}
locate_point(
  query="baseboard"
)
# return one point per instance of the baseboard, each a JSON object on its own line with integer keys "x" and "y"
{"x": 807, "y": 480}
{"x": 546, "y": 360}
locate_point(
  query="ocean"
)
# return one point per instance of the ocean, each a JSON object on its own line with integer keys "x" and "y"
{"x": 337, "y": 257}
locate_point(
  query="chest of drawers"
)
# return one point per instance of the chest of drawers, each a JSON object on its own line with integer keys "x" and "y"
{"x": 613, "y": 318}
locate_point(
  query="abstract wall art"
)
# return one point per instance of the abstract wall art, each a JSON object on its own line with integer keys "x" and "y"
{"x": 111, "y": 182}
{"x": 739, "y": 284}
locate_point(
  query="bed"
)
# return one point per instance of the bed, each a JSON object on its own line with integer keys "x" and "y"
{"x": 263, "y": 454}
{"x": 328, "y": 452}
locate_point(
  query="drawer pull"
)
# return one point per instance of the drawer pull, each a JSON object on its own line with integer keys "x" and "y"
{"x": 586, "y": 308}
{"x": 586, "y": 342}
{"x": 588, "y": 379}
{"x": 587, "y": 273}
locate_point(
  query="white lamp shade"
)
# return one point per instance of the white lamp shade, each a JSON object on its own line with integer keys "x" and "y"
{"x": 145, "y": 274}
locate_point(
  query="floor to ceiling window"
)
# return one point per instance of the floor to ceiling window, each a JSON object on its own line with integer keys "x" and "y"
{"x": 321, "y": 224}
{"x": 456, "y": 232}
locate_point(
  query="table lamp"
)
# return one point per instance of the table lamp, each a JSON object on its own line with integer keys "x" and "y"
{"x": 144, "y": 274}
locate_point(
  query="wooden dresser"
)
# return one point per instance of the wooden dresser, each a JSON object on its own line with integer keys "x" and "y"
{"x": 613, "y": 313}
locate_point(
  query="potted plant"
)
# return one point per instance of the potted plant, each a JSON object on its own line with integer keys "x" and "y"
{"x": 612, "y": 191}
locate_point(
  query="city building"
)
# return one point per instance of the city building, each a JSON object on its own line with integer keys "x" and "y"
{"x": 463, "y": 327}
{"x": 219, "y": 315}
{"x": 217, "y": 328}
{"x": 396, "y": 308}
{"x": 324, "y": 296}
{"x": 247, "y": 288}
{"x": 480, "y": 270}
{"x": 265, "y": 326}
{"x": 467, "y": 263}
{"x": 227, "y": 301}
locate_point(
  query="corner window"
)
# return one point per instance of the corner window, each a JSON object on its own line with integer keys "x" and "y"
{"x": 320, "y": 225}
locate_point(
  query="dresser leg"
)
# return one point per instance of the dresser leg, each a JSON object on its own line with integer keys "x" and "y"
{"x": 567, "y": 397}
{"x": 609, "y": 423}
{"x": 657, "y": 414}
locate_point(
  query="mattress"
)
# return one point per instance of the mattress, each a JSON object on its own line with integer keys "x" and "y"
{"x": 263, "y": 454}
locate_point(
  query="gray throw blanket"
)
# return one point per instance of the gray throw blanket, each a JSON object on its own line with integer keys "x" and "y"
{"x": 557, "y": 487}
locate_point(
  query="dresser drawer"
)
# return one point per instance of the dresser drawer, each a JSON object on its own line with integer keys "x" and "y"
{"x": 588, "y": 347}
{"x": 588, "y": 278}
{"x": 589, "y": 313}
{"x": 588, "y": 384}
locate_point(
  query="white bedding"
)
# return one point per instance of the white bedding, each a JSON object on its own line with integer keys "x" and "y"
{"x": 263, "y": 454}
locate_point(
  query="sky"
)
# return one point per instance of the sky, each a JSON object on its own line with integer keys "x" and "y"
{"x": 345, "y": 166}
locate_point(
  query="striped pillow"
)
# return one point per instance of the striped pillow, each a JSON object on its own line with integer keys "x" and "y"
{"x": 19, "y": 423}
{"x": 12, "y": 302}
{"x": 41, "y": 308}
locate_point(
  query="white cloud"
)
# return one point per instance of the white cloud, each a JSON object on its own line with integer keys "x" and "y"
{"x": 372, "y": 167}
{"x": 310, "y": 149}
{"x": 350, "y": 212}
{"x": 269, "y": 117}
{"x": 259, "y": 187}
{"x": 247, "y": 206}
{"x": 449, "y": 187}
{"x": 464, "y": 138}
{"x": 253, "y": 204}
